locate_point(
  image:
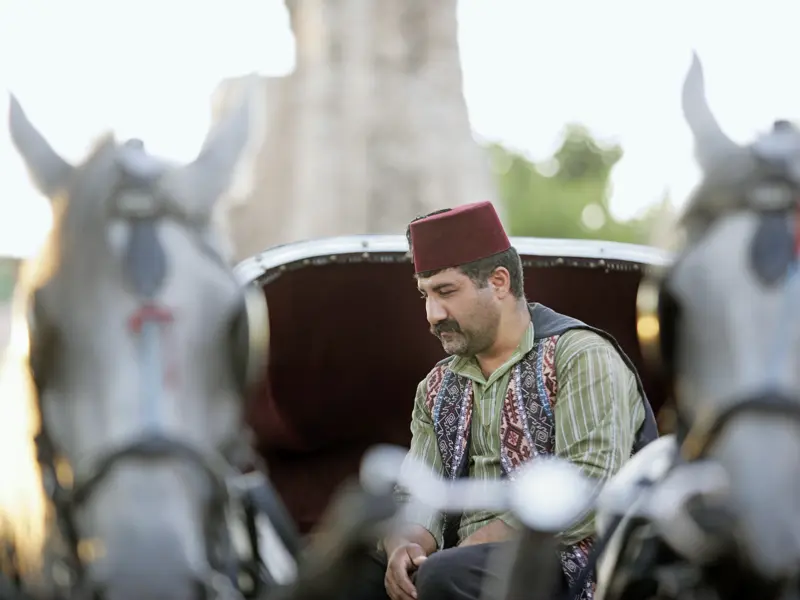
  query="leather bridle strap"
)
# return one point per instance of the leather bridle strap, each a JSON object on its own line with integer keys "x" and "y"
{"x": 68, "y": 498}
{"x": 706, "y": 430}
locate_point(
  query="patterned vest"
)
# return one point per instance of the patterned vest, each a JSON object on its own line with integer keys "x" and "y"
{"x": 527, "y": 426}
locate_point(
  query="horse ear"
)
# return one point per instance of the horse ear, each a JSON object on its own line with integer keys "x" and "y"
{"x": 49, "y": 172}
{"x": 712, "y": 146}
{"x": 200, "y": 183}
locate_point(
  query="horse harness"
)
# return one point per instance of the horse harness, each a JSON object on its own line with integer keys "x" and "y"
{"x": 138, "y": 200}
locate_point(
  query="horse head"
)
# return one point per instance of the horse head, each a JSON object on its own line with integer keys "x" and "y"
{"x": 137, "y": 328}
{"x": 727, "y": 316}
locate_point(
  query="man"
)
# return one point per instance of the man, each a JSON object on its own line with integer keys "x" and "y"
{"x": 521, "y": 381}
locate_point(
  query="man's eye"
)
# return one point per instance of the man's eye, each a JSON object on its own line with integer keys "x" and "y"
{"x": 446, "y": 293}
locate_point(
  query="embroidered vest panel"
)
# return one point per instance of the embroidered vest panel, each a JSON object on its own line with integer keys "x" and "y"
{"x": 527, "y": 430}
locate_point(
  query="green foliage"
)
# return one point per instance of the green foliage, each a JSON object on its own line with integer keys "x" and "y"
{"x": 567, "y": 195}
{"x": 8, "y": 277}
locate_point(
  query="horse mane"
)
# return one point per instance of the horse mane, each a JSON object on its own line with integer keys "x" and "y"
{"x": 668, "y": 233}
{"x": 22, "y": 502}
{"x": 709, "y": 201}
{"x": 24, "y": 508}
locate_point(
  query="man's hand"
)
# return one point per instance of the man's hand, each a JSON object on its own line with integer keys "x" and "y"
{"x": 495, "y": 531}
{"x": 403, "y": 560}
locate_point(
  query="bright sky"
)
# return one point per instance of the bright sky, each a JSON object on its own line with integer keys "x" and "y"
{"x": 146, "y": 68}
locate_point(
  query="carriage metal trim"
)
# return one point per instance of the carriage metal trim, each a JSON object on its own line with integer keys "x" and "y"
{"x": 329, "y": 249}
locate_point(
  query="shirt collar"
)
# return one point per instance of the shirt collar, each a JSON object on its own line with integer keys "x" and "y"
{"x": 467, "y": 366}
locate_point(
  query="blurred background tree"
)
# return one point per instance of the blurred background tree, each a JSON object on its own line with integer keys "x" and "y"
{"x": 8, "y": 276}
{"x": 567, "y": 196}
{"x": 371, "y": 129}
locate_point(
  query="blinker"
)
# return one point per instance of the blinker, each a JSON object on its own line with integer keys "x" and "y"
{"x": 145, "y": 263}
{"x": 772, "y": 249}
{"x": 138, "y": 200}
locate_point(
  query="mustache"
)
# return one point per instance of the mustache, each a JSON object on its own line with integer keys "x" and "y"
{"x": 449, "y": 326}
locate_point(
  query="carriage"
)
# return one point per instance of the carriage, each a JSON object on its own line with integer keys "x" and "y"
{"x": 349, "y": 343}
{"x": 106, "y": 413}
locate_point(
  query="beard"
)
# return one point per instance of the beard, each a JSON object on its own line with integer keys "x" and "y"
{"x": 468, "y": 341}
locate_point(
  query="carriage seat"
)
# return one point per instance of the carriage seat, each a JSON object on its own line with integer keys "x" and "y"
{"x": 307, "y": 463}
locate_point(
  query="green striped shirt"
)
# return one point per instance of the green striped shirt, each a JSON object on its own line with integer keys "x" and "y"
{"x": 597, "y": 412}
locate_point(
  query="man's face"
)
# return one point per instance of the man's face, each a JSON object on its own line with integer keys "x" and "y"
{"x": 462, "y": 315}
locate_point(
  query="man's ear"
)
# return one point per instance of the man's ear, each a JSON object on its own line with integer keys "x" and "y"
{"x": 500, "y": 280}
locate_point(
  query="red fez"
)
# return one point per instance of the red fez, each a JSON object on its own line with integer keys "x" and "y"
{"x": 457, "y": 236}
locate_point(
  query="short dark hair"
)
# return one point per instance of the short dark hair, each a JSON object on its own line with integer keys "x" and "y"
{"x": 479, "y": 271}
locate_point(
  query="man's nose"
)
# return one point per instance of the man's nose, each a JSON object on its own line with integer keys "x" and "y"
{"x": 434, "y": 311}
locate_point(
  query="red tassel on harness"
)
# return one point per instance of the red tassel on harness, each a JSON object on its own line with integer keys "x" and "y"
{"x": 149, "y": 313}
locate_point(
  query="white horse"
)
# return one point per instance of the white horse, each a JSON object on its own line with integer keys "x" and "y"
{"x": 121, "y": 417}
{"x": 723, "y": 516}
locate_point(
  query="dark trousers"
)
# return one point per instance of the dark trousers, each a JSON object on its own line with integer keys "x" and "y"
{"x": 453, "y": 574}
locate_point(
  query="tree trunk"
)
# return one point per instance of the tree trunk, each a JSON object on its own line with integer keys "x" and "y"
{"x": 369, "y": 131}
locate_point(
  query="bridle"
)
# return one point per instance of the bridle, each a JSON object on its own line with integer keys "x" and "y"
{"x": 68, "y": 495}
{"x": 705, "y": 431}
{"x": 138, "y": 201}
